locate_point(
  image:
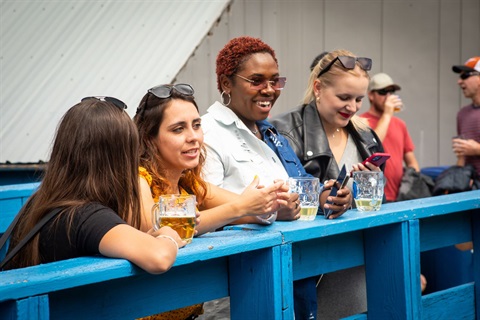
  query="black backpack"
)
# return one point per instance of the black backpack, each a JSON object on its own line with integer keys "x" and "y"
{"x": 456, "y": 179}
{"x": 414, "y": 185}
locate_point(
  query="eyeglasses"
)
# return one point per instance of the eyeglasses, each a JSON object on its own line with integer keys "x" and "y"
{"x": 349, "y": 63}
{"x": 164, "y": 91}
{"x": 276, "y": 84}
{"x": 467, "y": 75}
{"x": 116, "y": 102}
{"x": 384, "y": 92}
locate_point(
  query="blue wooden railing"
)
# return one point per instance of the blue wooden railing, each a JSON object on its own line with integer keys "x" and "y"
{"x": 256, "y": 265}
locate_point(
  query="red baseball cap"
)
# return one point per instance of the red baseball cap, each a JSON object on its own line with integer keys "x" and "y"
{"x": 472, "y": 64}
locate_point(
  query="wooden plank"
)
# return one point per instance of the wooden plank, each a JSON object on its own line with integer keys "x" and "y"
{"x": 458, "y": 226}
{"x": 256, "y": 284}
{"x": 151, "y": 294}
{"x": 12, "y": 198}
{"x": 31, "y": 308}
{"x": 476, "y": 260}
{"x": 414, "y": 265}
{"x": 15, "y": 284}
{"x": 354, "y": 220}
{"x": 453, "y": 303}
{"x": 387, "y": 269}
{"x": 18, "y": 190}
{"x": 328, "y": 254}
{"x": 356, "y": 317}
{"x": 10, "y": 208}
{"x": 287, "y": 281}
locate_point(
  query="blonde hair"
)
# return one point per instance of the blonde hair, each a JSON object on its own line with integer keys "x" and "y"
{"x": 327, "y": 79}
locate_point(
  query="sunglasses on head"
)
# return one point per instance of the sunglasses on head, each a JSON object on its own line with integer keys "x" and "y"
{"x": 164, "y": 91}
{"x": 116, "y": 102}
{"x": 384, "y": 92}
{"x": 349, "y": 63}
{"x": 260, "y": 84}
{"x": 467, "y": 75}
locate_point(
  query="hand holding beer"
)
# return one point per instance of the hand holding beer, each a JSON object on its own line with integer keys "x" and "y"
{"x": 394, "y": 102}
{"x": 308, "y": 189}
{"x": 178, "y": 212}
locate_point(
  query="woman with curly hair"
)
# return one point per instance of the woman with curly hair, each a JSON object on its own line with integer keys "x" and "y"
{"x": 171, "y": 160}
{"x": 172, "y": 155}
{"x": 249, "y": 82}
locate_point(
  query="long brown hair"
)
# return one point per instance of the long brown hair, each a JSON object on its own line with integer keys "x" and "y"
{"x": 94, "y": 159}
{"x": 148, "y": 120}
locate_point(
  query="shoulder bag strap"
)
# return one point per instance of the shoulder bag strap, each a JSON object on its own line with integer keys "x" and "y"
{"x": 27, "y": 238}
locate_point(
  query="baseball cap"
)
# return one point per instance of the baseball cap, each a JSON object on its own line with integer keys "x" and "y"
{"x": 472, "y": 64}
{"x": 382, "y": 81}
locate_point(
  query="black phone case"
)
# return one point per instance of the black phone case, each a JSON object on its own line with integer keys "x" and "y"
{"x": 340, "y": 179}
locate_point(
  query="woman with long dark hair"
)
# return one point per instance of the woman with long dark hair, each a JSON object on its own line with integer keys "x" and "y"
{"x": 92, "y": 180}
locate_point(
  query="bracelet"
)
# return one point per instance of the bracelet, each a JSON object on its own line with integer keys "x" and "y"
{"x": 169, "y": 238}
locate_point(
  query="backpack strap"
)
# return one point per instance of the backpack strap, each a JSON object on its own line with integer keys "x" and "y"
{"x": 27, "y": 238}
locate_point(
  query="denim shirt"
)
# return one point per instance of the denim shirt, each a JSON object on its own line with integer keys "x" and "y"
{"x": 281, "y": 147}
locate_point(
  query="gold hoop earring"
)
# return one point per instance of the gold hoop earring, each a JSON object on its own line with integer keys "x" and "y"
{"x": 223, "y": 100}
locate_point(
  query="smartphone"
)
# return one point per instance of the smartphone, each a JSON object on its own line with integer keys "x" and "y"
{"x": 377, "y": 158}
{"x": 341, "y": 182}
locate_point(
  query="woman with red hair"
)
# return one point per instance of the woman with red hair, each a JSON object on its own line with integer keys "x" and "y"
{"x": 249, "y": 83}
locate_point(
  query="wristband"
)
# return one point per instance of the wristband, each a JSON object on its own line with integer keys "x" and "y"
{"x": 169, "y": 238}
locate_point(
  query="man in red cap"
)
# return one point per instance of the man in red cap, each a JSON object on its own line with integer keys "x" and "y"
{"x": 396, "y": 140}
{"x": 467, "y": 145}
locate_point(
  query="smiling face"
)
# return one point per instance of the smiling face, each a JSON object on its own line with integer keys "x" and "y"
{"x": 251, "y": 104}
{"x": 179, "y": 138}
{"x": 337, "y": 103}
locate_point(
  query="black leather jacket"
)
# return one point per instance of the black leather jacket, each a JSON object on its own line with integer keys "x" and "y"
{"x": 304, "y": 131}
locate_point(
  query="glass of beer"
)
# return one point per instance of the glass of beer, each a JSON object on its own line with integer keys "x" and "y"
{"x": 308, "y": 189}
{"x": 368, "y": 190}
{"x": 176, "y": 211}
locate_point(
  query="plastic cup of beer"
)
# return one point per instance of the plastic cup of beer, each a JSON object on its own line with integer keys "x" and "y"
{"x": 178, "y": 212}
{"x": 308, "y": 189}
{"x": 399, "y": 108}
{"x": 368, "y": 190}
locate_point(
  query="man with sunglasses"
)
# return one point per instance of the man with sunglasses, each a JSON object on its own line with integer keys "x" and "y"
{"x": 391, "y": 130}
{"x": 467, "y": 144}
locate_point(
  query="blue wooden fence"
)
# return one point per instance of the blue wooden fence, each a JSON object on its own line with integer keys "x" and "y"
{"x": 255, "y": 266}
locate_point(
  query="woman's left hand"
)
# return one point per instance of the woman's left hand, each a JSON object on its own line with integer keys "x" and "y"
{"x": 340, "y": 203}
{"x": 367, "y": 167}
{"x": 289, "y": 206}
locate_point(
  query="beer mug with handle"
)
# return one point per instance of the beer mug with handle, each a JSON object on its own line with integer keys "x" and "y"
{"x": 176, "y": 211}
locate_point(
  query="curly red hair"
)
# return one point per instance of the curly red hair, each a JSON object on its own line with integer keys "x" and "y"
{"x": 235, "y": 52}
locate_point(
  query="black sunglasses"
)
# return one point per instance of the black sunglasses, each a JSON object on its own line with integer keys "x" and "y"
{"x": 467, "y": 75}
{"x": 384, "y": 92}
{"x": 116, "y": 102}
{"x": 349, "y": 63}
{"x": 164, "y": 91}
